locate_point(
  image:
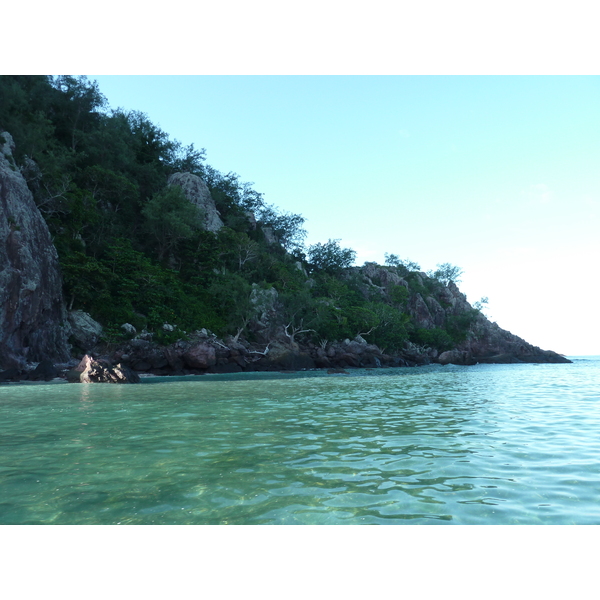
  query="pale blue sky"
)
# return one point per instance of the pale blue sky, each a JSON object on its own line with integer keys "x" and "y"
{"x": 498, "y": 175}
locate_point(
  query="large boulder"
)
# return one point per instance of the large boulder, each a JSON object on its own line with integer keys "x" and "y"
{"x": 85, "y": 332}
{"x": 197, "y": 192}
{"x": 32, "y": 314}
{"x": 420, "y": 312}
{"x": 286, "y": 356}
{"x": 200, "y": 356}
{"x": 93, "y": 371}
{"x": 45, "y": 371}
{"x": 145, "y": 355}
{"x": 456, "y": 357}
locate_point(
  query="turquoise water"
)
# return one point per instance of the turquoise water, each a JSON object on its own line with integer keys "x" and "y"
{"x": 489, "y": 444}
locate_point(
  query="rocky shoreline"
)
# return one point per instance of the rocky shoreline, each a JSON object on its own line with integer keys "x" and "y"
{"x": 204, "y": 353}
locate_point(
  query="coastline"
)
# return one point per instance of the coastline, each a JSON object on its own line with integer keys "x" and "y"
{"x": 150, "y": 378}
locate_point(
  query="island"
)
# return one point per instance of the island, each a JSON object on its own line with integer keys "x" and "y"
{"x": 123, "y": 252}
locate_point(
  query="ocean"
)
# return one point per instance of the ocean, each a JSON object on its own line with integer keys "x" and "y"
{"x": 487, "y": 444}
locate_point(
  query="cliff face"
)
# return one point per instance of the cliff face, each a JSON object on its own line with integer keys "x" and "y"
{"x": 32, "y": 314}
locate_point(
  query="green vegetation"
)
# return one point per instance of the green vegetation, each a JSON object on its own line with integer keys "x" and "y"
{"x": 447, "y": 273}
{"x": 133, "y": 249}
{"x": 330, "y": 257}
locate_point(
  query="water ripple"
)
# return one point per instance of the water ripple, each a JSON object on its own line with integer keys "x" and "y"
{"x": 482, "y": 445}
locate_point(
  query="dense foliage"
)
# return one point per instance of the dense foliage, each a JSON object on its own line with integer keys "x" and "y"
{"x": 133, "y": 249}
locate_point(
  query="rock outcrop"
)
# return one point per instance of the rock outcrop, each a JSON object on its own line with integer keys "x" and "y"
{"x": 435, "y": 305}
{"x": 98, "y": 371}
{"x": 32, "y": 314}
{"x": 197, "y": 192}
{"x": 487, "y": 342}
{"x": 85, "y": 332}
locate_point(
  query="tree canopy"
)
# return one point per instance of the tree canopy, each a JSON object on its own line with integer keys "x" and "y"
{"x": 330, "y": 257}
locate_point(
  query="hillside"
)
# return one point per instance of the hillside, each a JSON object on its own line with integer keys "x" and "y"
{"x": 120, "y": 242}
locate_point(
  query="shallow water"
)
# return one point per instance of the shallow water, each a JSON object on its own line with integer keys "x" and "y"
{"x": 489, "y": 444}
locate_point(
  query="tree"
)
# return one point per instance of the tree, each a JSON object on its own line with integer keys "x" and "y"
{"x": 447, "y": 273}
{"x": 236, "y": 248}
{"x": 481, "y": 304}
{"x": 330, "y": 257}
{"x": 171, "y": 217}
{"x": 391, "y": 331}
{"x": 393, "y": 260}
{"x": 299, "y": 313}
{"x": 77, "y": 108}
{"x": 287, "y": 227}
{"x": 187, "y": 159}
{"x": 232, "y": 295}
{"x": 229, "y": 193}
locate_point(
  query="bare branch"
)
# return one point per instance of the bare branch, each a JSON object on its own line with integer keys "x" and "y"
{"x": 295, "y": 330}
{"x": 368, "y": 332}
{"x": 216, "y": 341}
{"x": 240, "y": 329}
{"x": 260, "y": 354}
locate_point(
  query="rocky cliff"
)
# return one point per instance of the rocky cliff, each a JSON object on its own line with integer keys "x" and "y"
{"x": 434, "y": 306}
{"x": 32, "y": 314}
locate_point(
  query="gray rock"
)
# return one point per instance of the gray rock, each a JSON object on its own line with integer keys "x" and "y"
{"x": 251, "y": 219}
{"x": 456, "y": 357}
{"x": 32, "y": 314}
{"x": 197, "y": 192}
{"x": 12, "y": 374}
{"x": 287, "y": 357}
{"x": 141, "y": 355}
{"x": 420, "y": 312}
{"x": 129, "y": 328}
{"x": 270, "y": 236}
{"x": 85, "y": 332}
{"x": 7, "y": 145}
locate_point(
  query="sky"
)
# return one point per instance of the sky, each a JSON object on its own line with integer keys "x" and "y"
{"x": 498, "y": 175}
